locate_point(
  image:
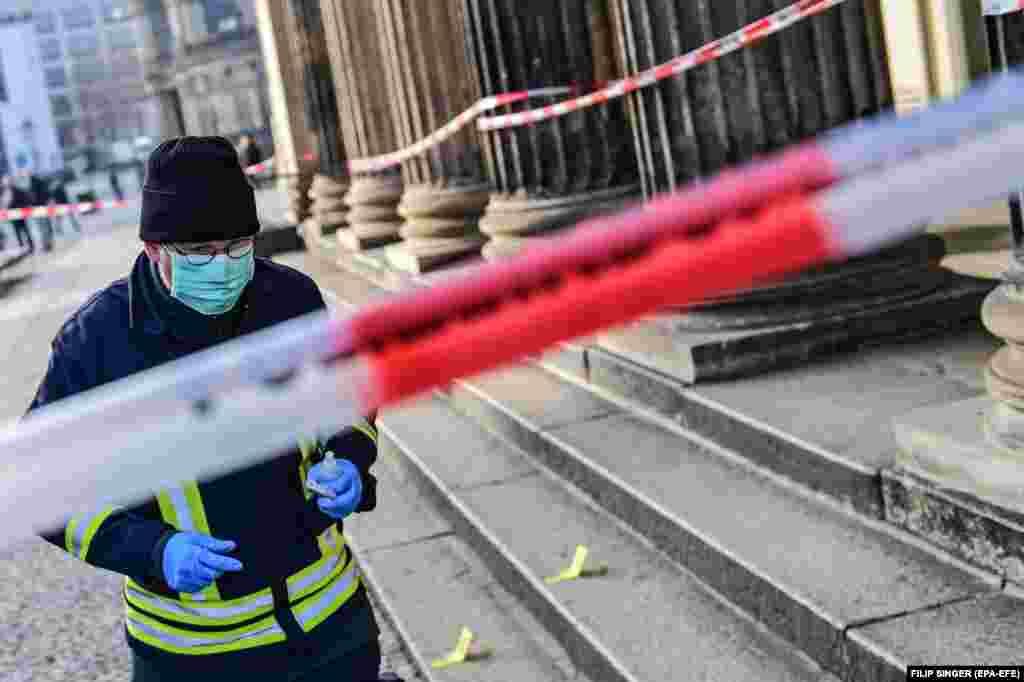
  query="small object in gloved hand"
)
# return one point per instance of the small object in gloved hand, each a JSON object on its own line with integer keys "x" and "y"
{"x": 330, "y": 469}
{"x": 341, "y": 483}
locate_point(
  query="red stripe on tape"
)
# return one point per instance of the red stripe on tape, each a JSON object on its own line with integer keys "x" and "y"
{"x": 758, "y": 28}
{"x": 738, "y": 253}
{"x": 663, "y": 71}
{"x": 708, "y": 54}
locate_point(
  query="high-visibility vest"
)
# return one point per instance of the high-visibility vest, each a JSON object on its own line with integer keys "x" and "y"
{"x": 204, "y": 622}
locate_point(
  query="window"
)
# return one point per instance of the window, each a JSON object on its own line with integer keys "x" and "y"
{"x": 50, "y": 49}
{"x": 46, "y": 23}
{"x": 89, "y": 71}
{"x": 123, "y": 37}
{"x": 55, "y": 77}
{"x": 60, "y": 105}
{"x": 79, "y": 16}
{"x": 83, "y": 44}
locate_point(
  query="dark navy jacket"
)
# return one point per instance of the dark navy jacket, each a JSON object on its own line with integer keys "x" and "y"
{"x": 125, "y": 329}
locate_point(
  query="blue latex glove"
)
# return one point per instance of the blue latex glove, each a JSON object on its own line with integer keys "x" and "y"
{"x": 340, "y": 478}
{"x": 192, "y": 561}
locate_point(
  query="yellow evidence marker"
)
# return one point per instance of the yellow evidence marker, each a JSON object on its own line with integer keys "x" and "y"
{"x": 466, "y": 649}
{"x": 576, "y": 568}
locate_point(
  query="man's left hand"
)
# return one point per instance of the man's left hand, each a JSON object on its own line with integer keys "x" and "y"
{"x": 346, "y": 484}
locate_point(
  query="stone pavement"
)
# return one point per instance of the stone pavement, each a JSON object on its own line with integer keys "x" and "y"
{"x": 61, "y": 620}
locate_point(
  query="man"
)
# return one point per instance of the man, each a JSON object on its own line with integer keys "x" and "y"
{"x": 247, "y": 576}
{"x": 115, "y": 184}
{"x": 248, "y": 152}
{"x": 40, "y": 192}
{"x": 12, "y": 196}
{"x": 59, "y": 197}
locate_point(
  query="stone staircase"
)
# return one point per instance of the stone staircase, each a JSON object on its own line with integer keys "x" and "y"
{"x": 751, "y": 530}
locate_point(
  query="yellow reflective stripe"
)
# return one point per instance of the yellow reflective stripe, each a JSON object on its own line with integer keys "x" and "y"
{"x": 81, "y": 530}
{"x": 195, "y": 506}
{"x": 316, "y": 610}
{"x": 90, "y": 531}
{"x": 167, "y": 511}
{"x": 309, "y": 614}
{"x": 304, "y": 467}
{"x": 328, "y": 569}
{"x": 364, "y": 426}
{"x": 221, "y": 614}
{"x": 307, "y": 447}
{"x": 250, "y": 601}
{"x": 69, "y": 536}
{"x": 182, "y": 507}
{"x": 198, "y": 613}
{"x": 175, "y": 640}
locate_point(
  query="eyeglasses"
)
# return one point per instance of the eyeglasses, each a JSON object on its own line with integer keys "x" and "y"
{"x": 201, "y": 254}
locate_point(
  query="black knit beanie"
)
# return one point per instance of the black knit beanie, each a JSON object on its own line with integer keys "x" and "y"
{"x": 196, "y": 191}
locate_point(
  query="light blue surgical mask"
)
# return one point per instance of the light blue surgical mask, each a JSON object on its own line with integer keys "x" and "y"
{"x": 212, "y": 288}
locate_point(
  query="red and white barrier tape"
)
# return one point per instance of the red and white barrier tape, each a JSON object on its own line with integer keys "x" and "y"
{"x": 748, "y": 35}
{"x": 58, "y": 209}
{"x": 258, "y": 168}
{"x": 992, "y": 8}
{"x": 376, "y": 163}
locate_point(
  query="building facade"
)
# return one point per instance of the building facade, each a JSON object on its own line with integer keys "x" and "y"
{"x": 91, "y": 52}
{"x": 204, "y": 68}
{"x": 28, "y": 136}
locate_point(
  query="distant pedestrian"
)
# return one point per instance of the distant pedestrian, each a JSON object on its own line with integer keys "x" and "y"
{"x": 40, "y": 190}
{"x": 59, "y": 197}
{"x": 115, "y": 184}
{"x": 248, "y": 152}
{"x": 12, "y": 196}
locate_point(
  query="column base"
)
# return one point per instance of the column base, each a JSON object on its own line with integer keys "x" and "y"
{"x": 373, "y": 216}
{"x": 956, "y": 486}
{"x": 515, "y": 224}
{"x": 440, "y": 227}
{"x": 672, "y": 344}
{"x": 328, "y": 208}
{"x": 297, "y": 189}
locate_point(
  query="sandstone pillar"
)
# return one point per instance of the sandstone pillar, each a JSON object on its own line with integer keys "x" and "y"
{"x": 584, "y": 159}
{"x": 430, "y": 82}
{"x": 323, "y": 179}
{"x": 823, "y": 72}
{"x": 359, "y": 71}
{"x": 287, "y": 108}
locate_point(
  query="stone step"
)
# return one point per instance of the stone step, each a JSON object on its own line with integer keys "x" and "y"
{"x": 645, "y": 619}
{"x": 820, "y": 577}
{"x": 428, "y": 585}
{"x": 827, "y": 427}
{"x": 834, "y": 427}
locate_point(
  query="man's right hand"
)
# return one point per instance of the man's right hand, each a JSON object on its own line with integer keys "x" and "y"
{"x": 192, "y": 561}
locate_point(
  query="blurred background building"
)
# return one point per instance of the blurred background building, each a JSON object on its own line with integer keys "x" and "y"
{"x": 28, "y": 136}
{"x": 91, "y": 51}
{"x": 204, "y": 69}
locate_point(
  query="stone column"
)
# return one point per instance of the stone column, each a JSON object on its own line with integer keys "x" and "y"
{"x": 430, "y": 83}
{"x": 574, "y": 162}
{"x": 287, "y": 113}
{"x": 815, "y": 75}
{"x": 359, "y": 70}
{"x": 1003, "y": 311}
{"x": 325, "y": 179}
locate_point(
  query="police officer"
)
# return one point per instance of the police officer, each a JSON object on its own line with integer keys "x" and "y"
{"x": 246, "y": 576}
